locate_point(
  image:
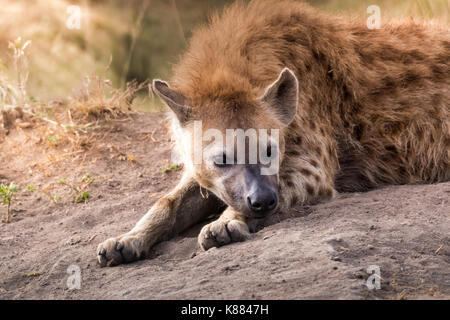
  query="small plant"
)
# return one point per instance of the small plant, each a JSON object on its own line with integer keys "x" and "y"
{"x": 30, "y": 188}
{"x": 83, "y": 197}
{"x": 7, "y": 194}
{"x": 34, "y": 274}
{"x": 174, "y": 167}
{"x": 53, "y": 198}
{"x": 54, "y": 140}
{"x": 87, "y": 178}
{"x": 80, "y": 192}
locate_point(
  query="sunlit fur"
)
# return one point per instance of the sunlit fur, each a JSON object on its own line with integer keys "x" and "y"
{"x": 373, "y": 110}
{"x": 374, "y": 104}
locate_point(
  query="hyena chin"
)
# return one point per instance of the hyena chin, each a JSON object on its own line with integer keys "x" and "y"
{"x": 346, "y": 109}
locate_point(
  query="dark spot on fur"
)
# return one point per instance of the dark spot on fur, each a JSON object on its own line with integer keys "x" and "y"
{"x": 357, "y": 132}
{"x": 316, "y": 176}
{"x": 401, "y": 171}
{"x": 437, "y": 99}
{"x": 392, "y": 127}
{"x": 447, "y": 143}
{"x": 346, "y": 124}
{"x": 389, "y": 84}
{"x": 293, "y": 153}
{"x": 308, "y": 67}
{"x": 289, "y": 38}
{"x": 346, "y": 93}
{"x": 330, "y": 73}
{"x": 404, "y": 103}
{"x": 314, "y": 163}
{"x": 390, "y": 53}
{"x": 318, "y": 150}
{"x": 391, "y": 148}
{"x": 419, "y": 133}
{"x": 442, "y": 58}
{"x": 325, "y": 192}
{"x": 319, "y": 56}
{"x": 288, "y": 172}
{"x": 289, "y": 183}
{"x": 309, "y": 189}
{"x": 417, "y": 55}
{"x": 297, "y": 141}
{"x": 411, "y": 77}
{"x": 440, "y": 72}
{"x": 306, "y": 172}
{"x": 366, "y": 57}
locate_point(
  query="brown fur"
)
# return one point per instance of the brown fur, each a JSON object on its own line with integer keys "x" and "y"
{"x": 374, "y": 104}
{"x": 373, "y": 109}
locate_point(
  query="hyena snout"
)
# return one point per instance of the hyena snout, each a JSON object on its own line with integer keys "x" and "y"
{"x": 262, "y": 201}
{"x": 261, "y": 191}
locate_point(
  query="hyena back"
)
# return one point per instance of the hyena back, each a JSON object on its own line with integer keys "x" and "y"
{"x": 356, "y": 109}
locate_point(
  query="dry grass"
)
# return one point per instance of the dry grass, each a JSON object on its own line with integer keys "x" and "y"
{"x": 100, "y": 100}
{"x": 62, "y": 122}
{"x": 78, "y": 120}
{"x": 75, "y": 122}
{"x": 13, "y": 87}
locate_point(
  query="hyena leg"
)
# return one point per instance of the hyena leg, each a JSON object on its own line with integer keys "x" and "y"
{"x": 230, "y": 227}
{"x": 180, "y": 209}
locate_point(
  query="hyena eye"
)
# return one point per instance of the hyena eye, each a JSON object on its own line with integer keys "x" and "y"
{"x": 221, "y": 161}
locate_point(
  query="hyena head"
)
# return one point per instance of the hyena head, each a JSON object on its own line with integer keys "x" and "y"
{"x": 233, "y": 141}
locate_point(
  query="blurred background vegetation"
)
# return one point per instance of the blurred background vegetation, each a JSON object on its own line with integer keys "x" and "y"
{"x": 129, "y": 39}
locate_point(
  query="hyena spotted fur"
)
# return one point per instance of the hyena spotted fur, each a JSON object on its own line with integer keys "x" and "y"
{"x": 356, "y": 109}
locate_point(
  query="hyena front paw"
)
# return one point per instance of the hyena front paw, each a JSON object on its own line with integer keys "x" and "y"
{"x": 222, "y": 232}
{"x": 123, "y": 249}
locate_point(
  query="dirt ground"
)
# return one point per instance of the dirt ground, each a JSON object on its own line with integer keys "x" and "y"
{"x": 315, "y": 252}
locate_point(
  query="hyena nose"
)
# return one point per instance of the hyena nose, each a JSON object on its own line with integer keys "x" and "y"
{"x": 262, "y": 202}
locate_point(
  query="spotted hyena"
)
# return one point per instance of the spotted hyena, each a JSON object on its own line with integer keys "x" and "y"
{"x": 355, "y": 109}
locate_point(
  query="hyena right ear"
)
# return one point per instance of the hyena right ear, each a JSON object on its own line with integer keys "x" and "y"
{"x": 282, "y": 96}
{"x": 174, "y": 100}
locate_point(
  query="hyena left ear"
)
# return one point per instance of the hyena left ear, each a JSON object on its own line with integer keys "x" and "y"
{"x": 282, "y": 96}
{"x": 174, "y": 100}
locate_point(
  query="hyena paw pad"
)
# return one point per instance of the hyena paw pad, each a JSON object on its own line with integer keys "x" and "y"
{"x": 219, "y": 233}
{"x": 115, "y": 251}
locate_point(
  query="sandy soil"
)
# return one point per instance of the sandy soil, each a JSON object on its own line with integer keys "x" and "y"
{"x": 320, "y": 251}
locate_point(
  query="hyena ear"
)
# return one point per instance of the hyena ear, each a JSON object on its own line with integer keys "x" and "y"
{"x": 282, "y": 96}
{"x": 174, "y": 100}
